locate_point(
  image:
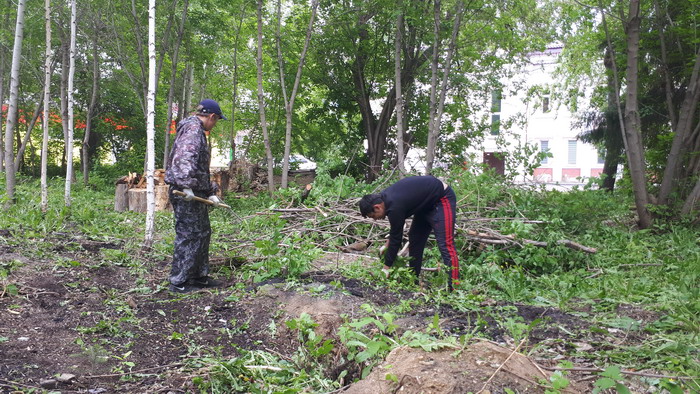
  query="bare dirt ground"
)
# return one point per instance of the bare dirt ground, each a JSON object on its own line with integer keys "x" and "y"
{"x": 77, "y": 324}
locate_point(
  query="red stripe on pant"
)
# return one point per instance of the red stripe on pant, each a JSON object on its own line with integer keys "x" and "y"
{"x": 449, "y": 239}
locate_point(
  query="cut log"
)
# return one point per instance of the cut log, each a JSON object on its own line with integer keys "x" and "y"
{"x": 121, "y": 197}
{"x": 137, "y": 200}
{"x": 162, "y": 200}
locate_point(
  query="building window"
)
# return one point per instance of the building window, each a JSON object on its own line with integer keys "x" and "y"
{"x": 495, "y": 124}
{"x": 601, "y": 157}
{"x": 545, "y": 104}
{"x": 496, "y": 96}
{"x": 572, "y": 152}
{"x": 544, "y": 148}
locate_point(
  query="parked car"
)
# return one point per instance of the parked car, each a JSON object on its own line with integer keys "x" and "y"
{"x": 299, "y": 162}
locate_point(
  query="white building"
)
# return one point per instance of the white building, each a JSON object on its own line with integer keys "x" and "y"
{"x": 536, "y": 120}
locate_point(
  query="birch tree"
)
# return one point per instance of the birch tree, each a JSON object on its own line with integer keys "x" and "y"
{"x": 12, "y": 107}
{"x": 261, "y": 103}
{"x": 289, "y": 101}
{"x": 69, "y": 96}
{"x": 150, "y": 130}
{"x": 45, "y": 117}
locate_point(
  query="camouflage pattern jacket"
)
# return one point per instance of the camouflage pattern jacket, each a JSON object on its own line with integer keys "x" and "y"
{"x": 188, "y": 163}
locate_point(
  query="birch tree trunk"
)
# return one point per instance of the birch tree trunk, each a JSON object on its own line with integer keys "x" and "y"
{"x": 47, "y": 108}
{"x": 289, "y": 104}
{"x": 261, "y": 104}
{"x": 150, "y": 127}
{"x": 171, "y": 87}
{"x": 71, "y": 120}
{"x": 12, "y": 108}
{"x": 399, "y": 92}
{"x": 91, "y": 109}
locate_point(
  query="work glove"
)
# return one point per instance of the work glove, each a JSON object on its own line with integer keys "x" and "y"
{"x": 386, "y": 270}
{"x": 189, "y": 194}
{"x": 214, "y": 199}
{"x": 383, "y": 249}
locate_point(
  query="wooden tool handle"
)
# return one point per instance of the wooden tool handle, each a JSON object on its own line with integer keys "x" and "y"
{"x": 200, "y": 199}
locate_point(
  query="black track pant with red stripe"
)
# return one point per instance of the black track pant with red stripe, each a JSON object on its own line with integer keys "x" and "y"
{"x": 441, "y": 221}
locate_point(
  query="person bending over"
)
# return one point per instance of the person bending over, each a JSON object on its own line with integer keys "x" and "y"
{"x": 432, "y": 204}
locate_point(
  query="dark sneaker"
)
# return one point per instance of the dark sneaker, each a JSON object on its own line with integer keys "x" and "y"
{"x": 204, "y": 281}
{"x": 184, "y": 288}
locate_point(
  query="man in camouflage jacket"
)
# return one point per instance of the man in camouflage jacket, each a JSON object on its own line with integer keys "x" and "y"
{"x": 188, "y": 171}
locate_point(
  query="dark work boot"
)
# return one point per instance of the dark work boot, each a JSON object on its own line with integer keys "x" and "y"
{"x": 204, "y": 281}
{"x": 184, "y": 288}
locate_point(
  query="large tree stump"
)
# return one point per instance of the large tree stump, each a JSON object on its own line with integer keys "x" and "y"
{"x": 121, "y": 197}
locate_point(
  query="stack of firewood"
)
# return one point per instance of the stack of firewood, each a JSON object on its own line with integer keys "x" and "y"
{"x": 130, "y": 192}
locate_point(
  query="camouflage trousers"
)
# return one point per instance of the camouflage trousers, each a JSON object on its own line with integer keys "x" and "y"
{"x": 192, "y": 235}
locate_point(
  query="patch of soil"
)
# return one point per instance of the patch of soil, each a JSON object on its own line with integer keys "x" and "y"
{"x": 99, "y": 321}
{"x": 379, "y": 296}
{"x": 416, "y": 371}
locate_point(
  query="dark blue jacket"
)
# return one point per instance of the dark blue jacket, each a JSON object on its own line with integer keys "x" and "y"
{"x": 416, "y": 195}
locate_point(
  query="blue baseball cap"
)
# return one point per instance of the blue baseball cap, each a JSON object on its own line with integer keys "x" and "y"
{"x": 209, "y": 106}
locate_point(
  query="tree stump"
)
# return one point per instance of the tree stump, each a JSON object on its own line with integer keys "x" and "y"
{"x": 121, "y": 197}
{"x": 137, "y": 200}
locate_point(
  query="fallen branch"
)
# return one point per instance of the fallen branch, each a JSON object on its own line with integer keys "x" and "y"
{"x": 501, "y": 366}
{"x": 495, "y": 238}
{"x": 132, "y": 372}
{"x": 635, "y": 373}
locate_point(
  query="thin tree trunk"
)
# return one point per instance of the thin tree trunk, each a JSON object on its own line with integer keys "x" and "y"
{"x": 668, "y": 86}
{"x": 188, "y": 90}
{"x": 635, "y": 148}
{"x": 150, "y": 128}
{"x": 261, "y": 104}
{"x": 91, "y": 109}
{"x": 12, "y": 109}
{"x": 613, "y": 149}
{"x": 430, "y": 149}
{"x": 289, "y": 104}
{"x": 27, "y": 135}
{"x": 47, "y": 108}
{"x": 71, "y": 119}
{"x": 680, "y": 140}
{"x": 399, "y": 93}
{"x": 182, "y": 108}
{"x": 65, "y": 53}
{"x": 692, "y": 199}
{"x": 443, "y": 85}
{"x": 171, "y": 87}
{"x": 5, "y": 25}
{"x": 234, "y": 100}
